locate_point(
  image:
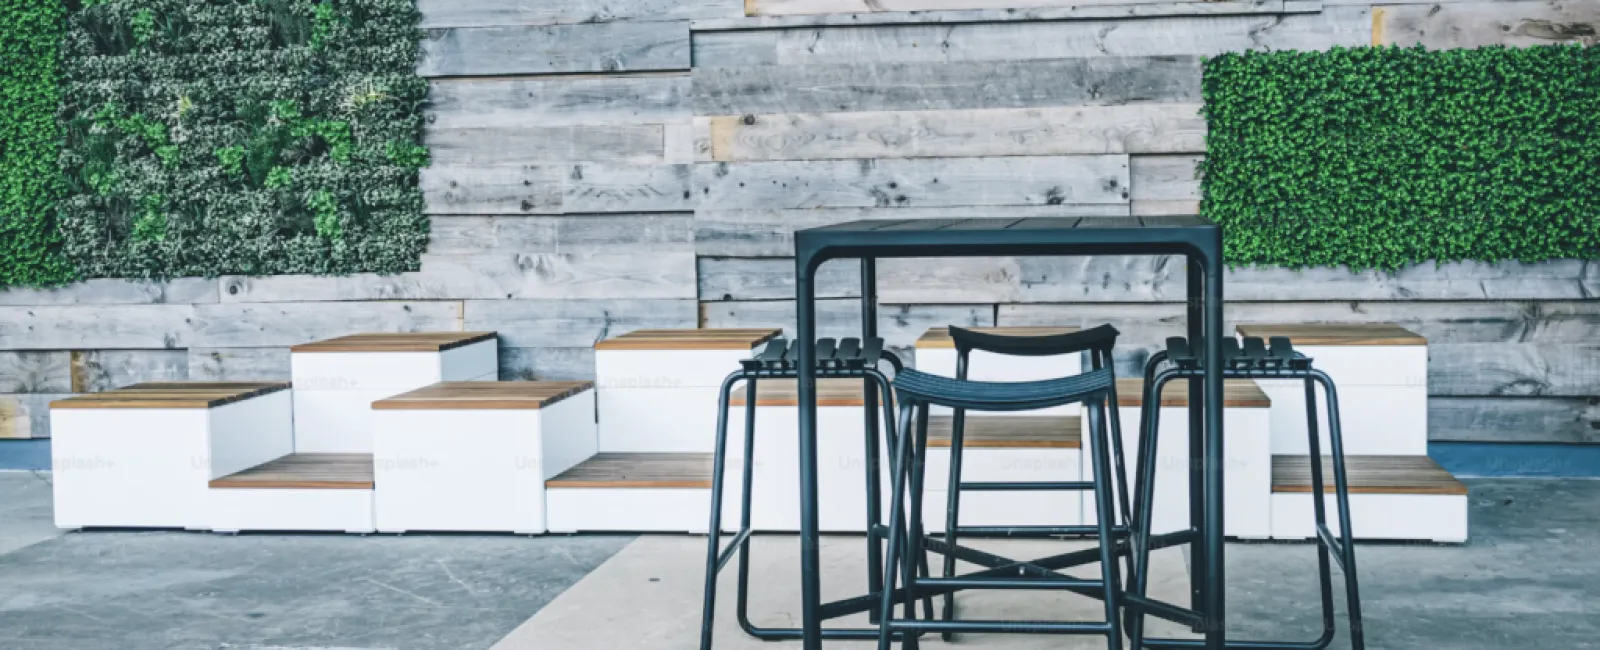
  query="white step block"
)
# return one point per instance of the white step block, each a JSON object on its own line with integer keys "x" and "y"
{"x": 658, "y": 389}
{"x": 936, "y": 354}
{"x": 142, "y": 456}
{"x": 621, "y": 492}
{"x": 474, "y": 456}
{"x": 841, "y": 457}
{"x": 1031, "y": 448}
{"x": 1247, "y": 468}
{"x": 1392, "y": 498}
{"x": 337, "y": 380}
{"x": 299, "y": 492}
{"x": 1381, "y": 373}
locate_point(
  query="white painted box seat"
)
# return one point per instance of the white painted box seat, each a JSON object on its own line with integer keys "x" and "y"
{"x": 1247, "y": 456}
{"x": 141, "y": 456}
{"x": 658, "y": 389}
{"x": 337, "y": 380}
{"x": 1391, "y": 497}
{"x": 1032, "y": 448}
{"x": 298, "y": 492}
{"x": 1381, "y": 372}
{"x": 936, "y": 354}
{"x": 474, "y": 456}
{"x": 632, "y": 492}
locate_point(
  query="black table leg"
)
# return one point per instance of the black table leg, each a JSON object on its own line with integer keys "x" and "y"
{"x": 869, "y": 330}
{"x": 810, "y": 558}
{"x": 1214, "y": 611}
{"x": 1195, "y": 319}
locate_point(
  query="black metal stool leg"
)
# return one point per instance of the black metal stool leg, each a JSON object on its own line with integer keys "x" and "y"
{"x": 1347, "y": 548}
{"x": 899, "y": 469}
{"x": 714, "y": 553}
{"x": 1109, "y": 562}
{"x": 1143, "y": 509}
{"x": 952, "y": 513}
{"x": 1319, "y": 510}
{"x": 745, "y": 515}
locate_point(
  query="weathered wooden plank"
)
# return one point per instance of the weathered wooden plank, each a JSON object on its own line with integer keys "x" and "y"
{"x": 26, "y": 415}
{"x": 1202, "y": 36}
{"x": 643, "y": 98}
{"x": 1142, "y": 128}
{"x": 1514, "y": 419}
{"x": 84, "y": 326}
{"x": 593, "y": 233}
{"x": 625, "y": 143}
{"x": 1476, "y": 24}
{"x": 770, "y": 233}
{"x": 35, "y": 372}
{"x": 524, "y": 49}
{"x": 546, "y": 364}
{"x": 554, "y": 189}
{"x": 486, "y": 13}
{"x": 757, "y": 47}
{"x": 678, "y": 141}
{"x": 918, "y": 182}
{"x": 105, "y": 291}
{"x": 1165, "y": 185}
{"x": 1086, "y": 11}
{"x": 870, "y": 85}
{"x": 293, "y": 323}
{"x": 797, "y": 7}
{"x": 1520, "y": 369}
{"x": 898, "y": 325}
{"x": 238, "y": 364}
{"x": 773, "y": 279}
{"x": 574, "y": 323}
{"x": 565, "y": 276}
{"x": 98, "y": 370}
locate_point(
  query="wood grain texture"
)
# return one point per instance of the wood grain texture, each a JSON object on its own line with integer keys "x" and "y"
{"x": 1567, "y": 420}
{"x": 770, "y": 233}
{"x": 1368, "y": 475}
{"x": 1236, "y": 393}
{"x": 171, "y": 395}
{"x": 727, "y": 88}
{"x": 938, "y": 338}
{"x": 773, "y": 279}
{"x": 785, "y": 392}
{"x": 1062, "y": 11}
{"x": 1477, "y": 24}
{"x": 1335, "y": 333}
{"x": 899, "y": 325}
{"x": 1514, "y": 369}
{"x": 305, "y": 472}
{"x": 294, "y": 323}
{"x": 556, "y": 189}
{"x": 488, "y": 276}
{"x": 395, "y": 342}
{"x": 574, "y": 323}
{"x": 635, "y": 98}
{"x": 1011, "y": 432}
{"x": 590, "y": 233}
{"x": 922, "y": 182}
{"x": 485, "y": 13}
{"x": 690, "y": 339}
{"x": 616, "y": 143}
{"x": 614, "y": 470}
{"x": 484, "y": 395}
{"x": 239, "y": 364}
{"x": 35, "y": 372}
{"x": 529, "y": 49}
{"x": 793, "y": 7}
{"x": 99, "y": 370}
{"x": 26, "y": 415}
{"x": 547, "y": 364}
{"x": 1164, "y": 185}
{"x": 1067, "y": 130}
{"x": 103, "y": 326}
{"x": 102, "y": 291}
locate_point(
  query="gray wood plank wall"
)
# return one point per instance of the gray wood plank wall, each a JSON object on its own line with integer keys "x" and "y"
{"x": 607, "y": 165}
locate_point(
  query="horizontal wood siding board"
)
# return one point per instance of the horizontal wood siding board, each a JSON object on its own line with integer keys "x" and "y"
{"x": 544, "y": 49}
{"x": 556, "y": 189}
{"x": 870, "y": 85}
{"x": 1451, "y": 25}
{"x": 1068, "y": 130}
{"x": 920, "y": 182}
{"x": 106, "y": 291}
{"x": 618, "y": 143}
{"x": 238, "y": 364}
{"x": 1514, "y": 369}
{"x": 486, "y": 13}
{"x": 294, "y": 323}
{"x": 797, "y": 7}
{"x": 99, "y": 370}
{"x": 770, "y": 233}
{"x": 773, "y": 279}
{"x": 1515, "y": 419}
{"x": 588, "y": 233}
{"x": 547, "y": 364}
{"x": 475, "y": 103}
{"x": 575, "y": 323}
{"x": 39, "y": 371}
{"x": 898, "y": 325}
{"x": 124, "y": 326}
{"x": 1085, "y": 11}
{"x": 489, "y": 276}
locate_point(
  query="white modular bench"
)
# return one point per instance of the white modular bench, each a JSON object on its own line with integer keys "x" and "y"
{"x": 1391, "y": 498}
{"x": 474, "y": 456}
{"x": 142, "y": 456}
{"x": 298, "y": 492}
{"x": 658, "y": 389}
{"x": 632, "y": 492}
{"x": 1029, "y": 448}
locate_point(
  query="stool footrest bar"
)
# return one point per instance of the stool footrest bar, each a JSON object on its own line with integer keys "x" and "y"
{"x": 1001, "y": 627}
{"x": 1024, "y": 486}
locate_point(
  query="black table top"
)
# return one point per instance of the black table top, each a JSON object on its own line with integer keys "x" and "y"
{"x": 1187, "y": 235}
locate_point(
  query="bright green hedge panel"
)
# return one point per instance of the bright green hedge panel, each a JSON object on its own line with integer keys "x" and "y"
{"x": 1386, "y": 157}
{"x": 242, "y": 136}
{"x": 30, "y": 143}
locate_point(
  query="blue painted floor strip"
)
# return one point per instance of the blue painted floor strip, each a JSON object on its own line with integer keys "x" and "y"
{"x": 1517, "y": 460}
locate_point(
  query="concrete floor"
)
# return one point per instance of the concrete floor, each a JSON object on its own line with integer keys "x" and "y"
{"x": 1530, "y": 578}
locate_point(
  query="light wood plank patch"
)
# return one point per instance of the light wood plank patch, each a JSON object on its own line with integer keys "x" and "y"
{"x": 1144, "y": 128}
{"x": 26, "y": 415}
{"x": 524, "y": 49}
{"x": 923, "y": 182}
{"x": 575, "y": 323}
{"x": 485, "y": 13}
{"x": 770, "y": 233}
{"x": 1476, "y": 24}
{"x": 506, "y": 103}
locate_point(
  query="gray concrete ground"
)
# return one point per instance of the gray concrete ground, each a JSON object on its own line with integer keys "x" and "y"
{"x": 1530, "y": 578}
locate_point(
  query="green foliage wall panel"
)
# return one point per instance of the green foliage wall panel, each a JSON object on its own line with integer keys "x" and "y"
{"x": 1383, "y": 157}
{"x": 242, "y": 136}
{"x": 30, "y": 66}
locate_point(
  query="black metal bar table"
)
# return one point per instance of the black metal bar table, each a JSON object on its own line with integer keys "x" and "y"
{"x": 1197, "y": 239}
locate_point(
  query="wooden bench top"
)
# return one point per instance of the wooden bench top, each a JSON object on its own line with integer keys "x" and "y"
{"x": 690, "y": 339}
{"x": 305, "y": 471}
{"x": 785, "y": 392}
{"x": 1010, "y": 431}
{"x": 939, "y": 337}
{"x": 396, "y": 342}
{"x": 172, "y": 395}
{"x": 1236, "y": 393}
{"x": 1368, "y": 475}
{"x": 633, "y": 470}
{"x": 1337, "y": 333}
{"x": 482, "y": 395}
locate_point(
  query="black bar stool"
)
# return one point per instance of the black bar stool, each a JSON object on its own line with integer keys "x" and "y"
{"x": 1098, "y": 342}
{"x": 917, "y": 391}
{"x": 1276, "y": 359}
